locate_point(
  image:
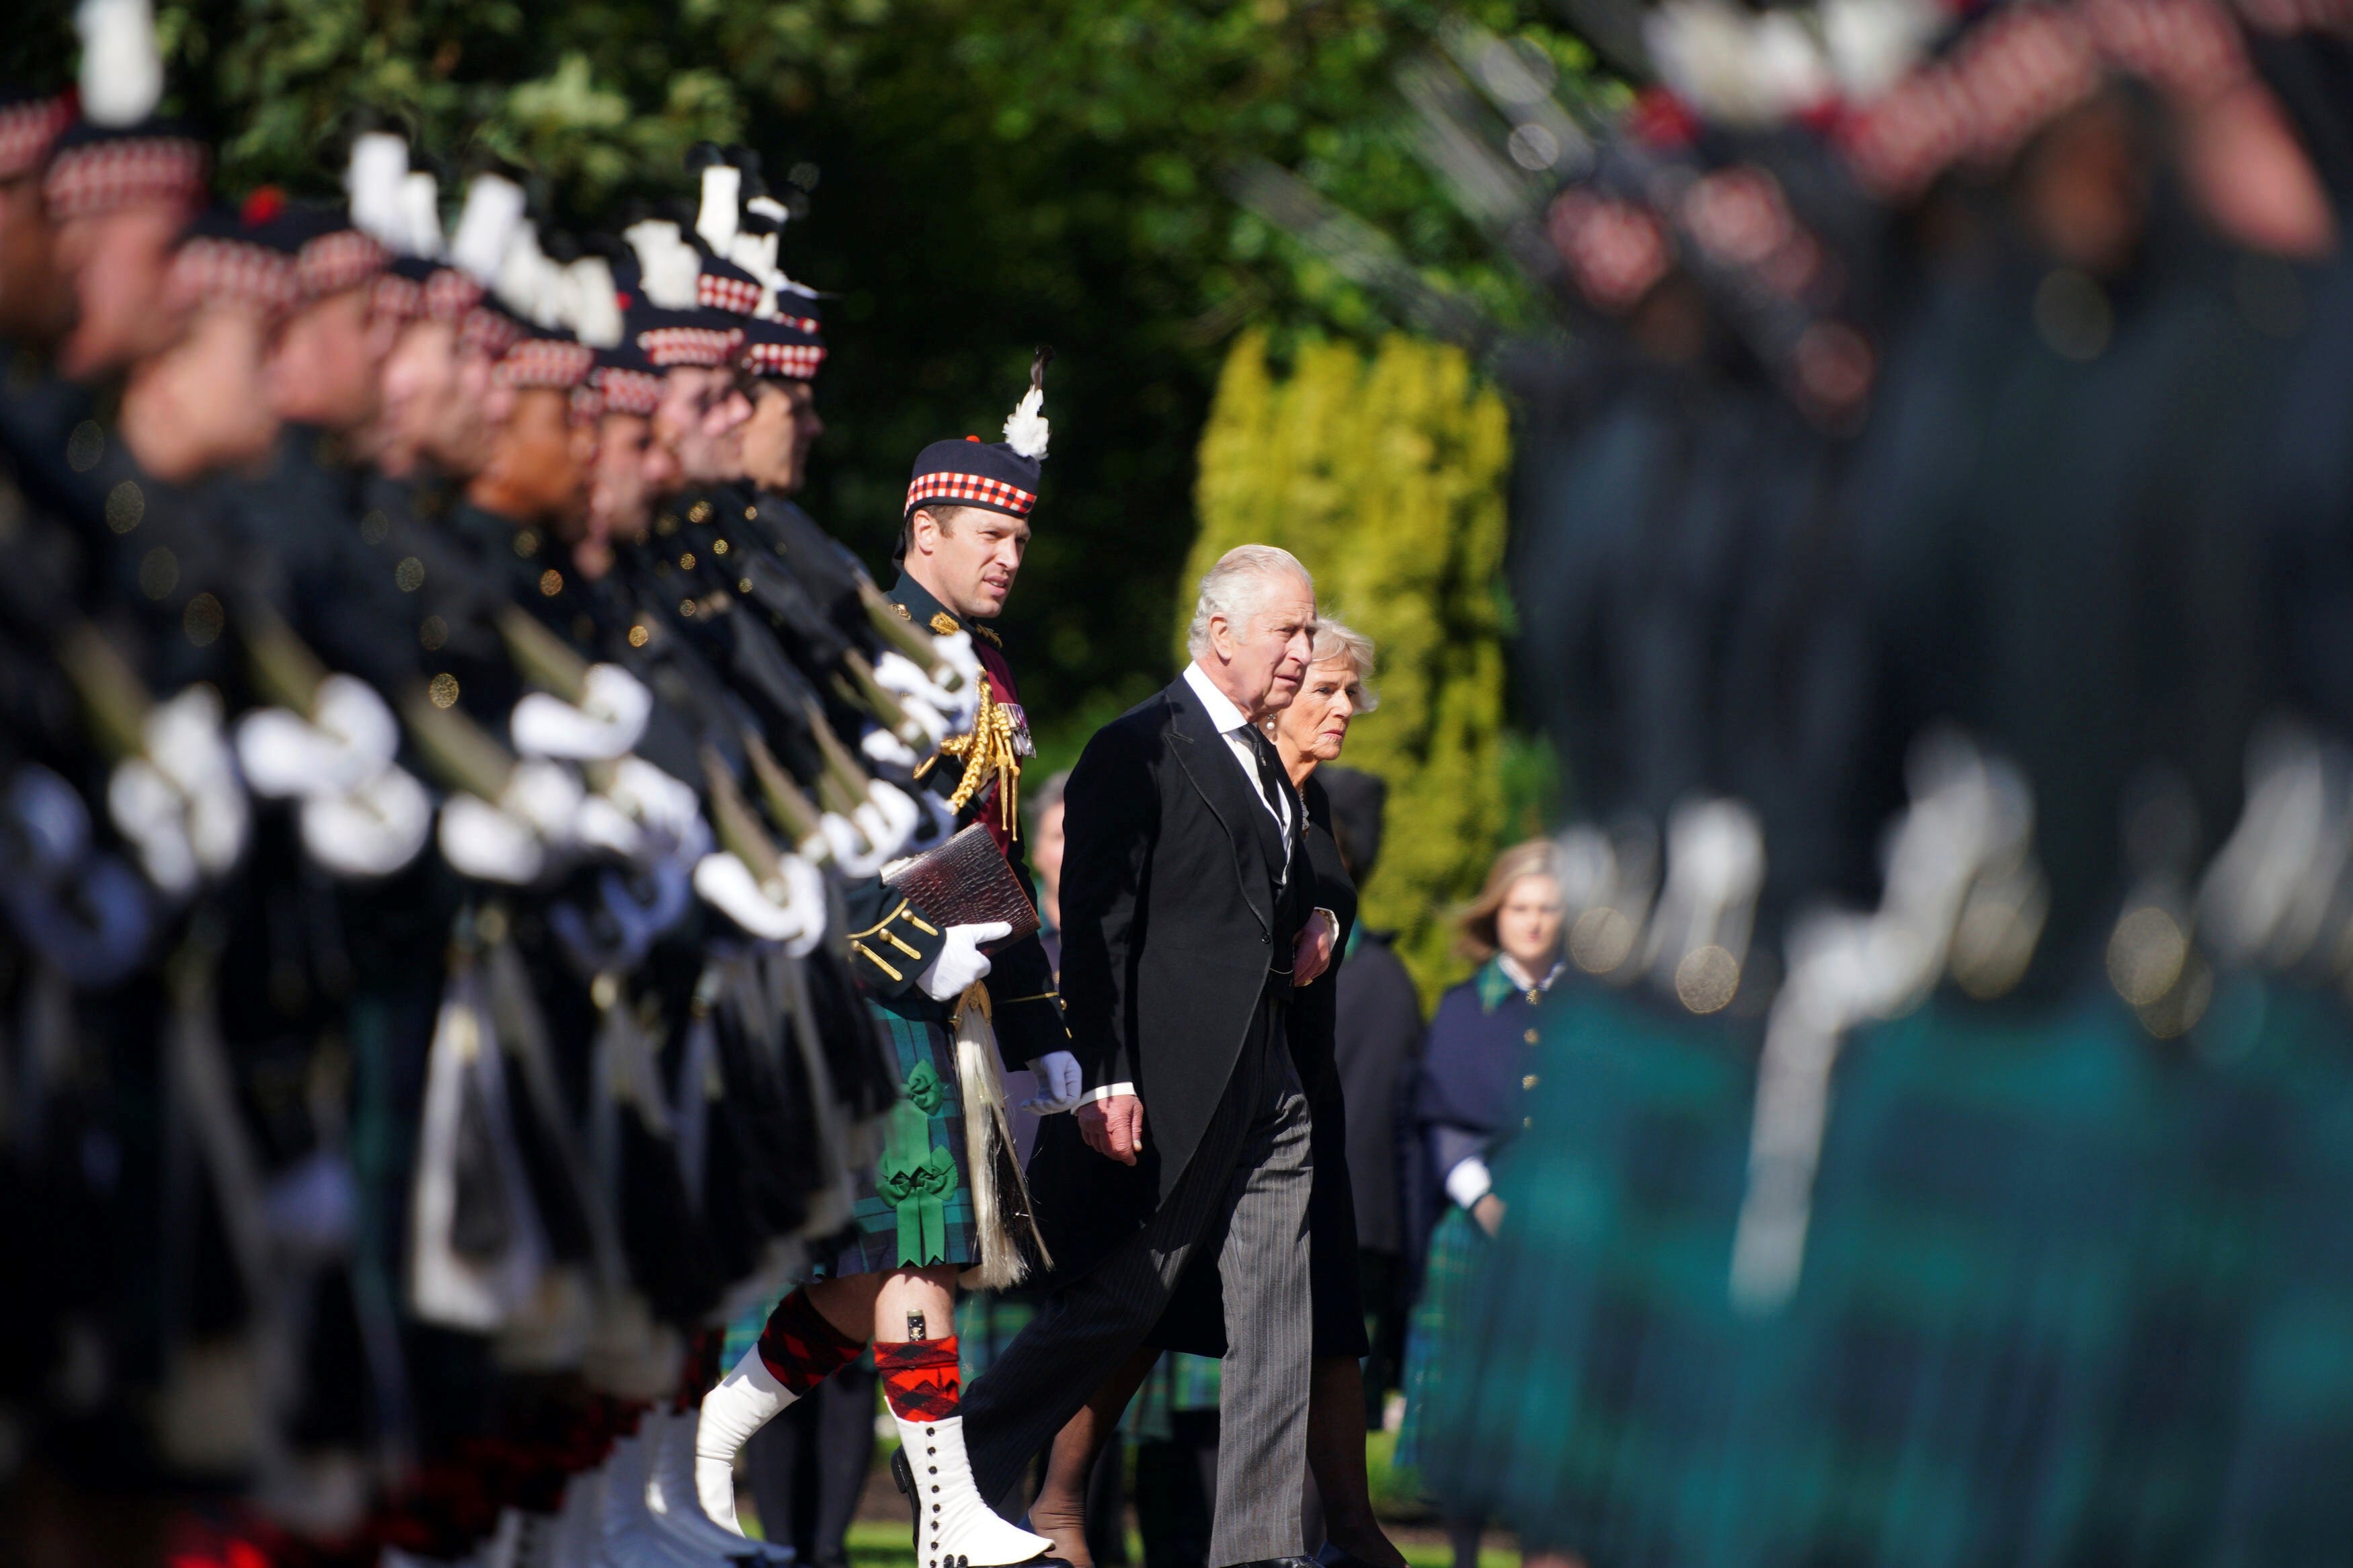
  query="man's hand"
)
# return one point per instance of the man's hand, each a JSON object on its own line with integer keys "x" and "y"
{"x": 1311, "y": 955}
{"x": 1060, "y": 1084}
{"x": 960, "y": 962}
{"x": 1114, "y": 1127}
{"x": 1489, "y": 1212}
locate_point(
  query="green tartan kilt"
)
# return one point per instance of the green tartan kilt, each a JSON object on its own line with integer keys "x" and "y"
{"x": 1456, "y": 1247}
{"x": 1579, "y": 1375}
{"x": 1939, "y": 1390}
{"x": 2284, "y": 1498}
{"x": 913, "y": 1206}
{"x": 987, "y": 1321}
{"x": 1178, "y": 1383}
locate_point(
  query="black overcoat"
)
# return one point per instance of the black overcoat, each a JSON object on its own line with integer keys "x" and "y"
{"x": 1175, "y": 913}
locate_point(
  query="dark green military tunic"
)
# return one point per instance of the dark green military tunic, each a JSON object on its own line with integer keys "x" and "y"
{"x": 916, "y": 1209}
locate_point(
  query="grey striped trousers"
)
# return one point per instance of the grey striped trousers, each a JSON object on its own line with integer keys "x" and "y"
{"x": 1244, "y": 1195}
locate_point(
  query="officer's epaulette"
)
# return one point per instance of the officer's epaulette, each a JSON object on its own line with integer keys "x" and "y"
{"x": 947, "y": 626}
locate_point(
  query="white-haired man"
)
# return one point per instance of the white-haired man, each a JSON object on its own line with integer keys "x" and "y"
{"x": 1185, "y": 926}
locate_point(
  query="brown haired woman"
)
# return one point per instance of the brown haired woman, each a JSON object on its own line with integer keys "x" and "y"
{"x": 1473, "y": 1070}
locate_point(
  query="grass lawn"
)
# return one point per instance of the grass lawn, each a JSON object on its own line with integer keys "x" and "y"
{"x": 881, "y": 1542}
{"x": 873, "y": 1543}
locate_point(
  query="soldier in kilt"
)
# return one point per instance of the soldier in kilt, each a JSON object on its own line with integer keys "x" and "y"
{"x": 922, "y": 1220}
{"x": 2286, "y": 1436}
{"x": 1936, "y": 1390}
{"x": 1602, "y": 1433}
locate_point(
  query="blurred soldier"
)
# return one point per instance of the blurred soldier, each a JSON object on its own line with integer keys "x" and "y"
{"x": 437, "y": 374}
{"x": 119, "y": 187}
{"x": 204, "y": 403}
{"x": 631, "y": 467}
{"x": 35, "y": 304}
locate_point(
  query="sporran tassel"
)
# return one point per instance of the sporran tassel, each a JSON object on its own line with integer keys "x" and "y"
{"x": 1000, "y": 1195}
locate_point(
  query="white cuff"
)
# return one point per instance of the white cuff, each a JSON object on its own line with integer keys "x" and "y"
{"x": 1097, "y": 1096}
{"x": 1469, "y": 1182}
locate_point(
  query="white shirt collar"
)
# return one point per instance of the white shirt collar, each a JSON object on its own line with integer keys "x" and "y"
{"x": 1222, "y": 711}
{"x": 1519, "y": 976}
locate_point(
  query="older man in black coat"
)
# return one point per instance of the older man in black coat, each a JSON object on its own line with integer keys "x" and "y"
{"x": 1185, "y": 926}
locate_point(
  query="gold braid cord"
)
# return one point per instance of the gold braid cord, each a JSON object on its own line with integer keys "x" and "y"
{"x": 987, "y": 753}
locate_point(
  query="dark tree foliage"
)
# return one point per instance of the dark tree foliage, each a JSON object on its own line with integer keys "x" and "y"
{"x": 983, "y": 176}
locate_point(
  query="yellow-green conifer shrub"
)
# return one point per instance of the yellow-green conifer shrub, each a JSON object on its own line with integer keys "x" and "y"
{"x": 1385, "y": 475}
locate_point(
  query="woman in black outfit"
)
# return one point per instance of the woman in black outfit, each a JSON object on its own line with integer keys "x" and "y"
{"x": 1310, "y": 732}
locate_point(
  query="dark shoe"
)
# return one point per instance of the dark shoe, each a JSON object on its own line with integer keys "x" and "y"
{"x": 1335, "y": 1556}
{"x": 1279, "y": 1563}
{"x": 902, "y": 1476}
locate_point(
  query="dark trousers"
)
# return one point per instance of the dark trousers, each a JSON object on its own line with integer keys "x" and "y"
{"x": 1382, "y": 1274}
{"x": 1107, "y": 1507}
{"x": 1177, "y": 1490}
{"x": 807, "y": 1466}
{"x": 1242, "y": 1199}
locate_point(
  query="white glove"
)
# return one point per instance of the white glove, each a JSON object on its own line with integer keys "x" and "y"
{"x": 482, "y": 842}
{"x": 1060, "y": 1084}
{"x": 362, "y": 815}
{"x": 547, "y": 797}
{"x": 349, "y": 739}
{"x": 925, "y": 703}
{"x": 371, "y": 830}
{"x": 960, "y": 962}
{"x": 886, "y": 748}
{"x": 870, "y": 838}
{"x": 1469, "y": 1182}
{"x": 609, "y": 721}
{"x": 789, "y": 908}
{"x": 888, "y": 818}
{"x": 668, "y": 810}
{"x": 961, "y": 705}
{"x": 181, "y": 803}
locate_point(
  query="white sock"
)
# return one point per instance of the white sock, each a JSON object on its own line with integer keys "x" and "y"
{"x": 746, "y": 1400}
{"x": 956, "y": 1527}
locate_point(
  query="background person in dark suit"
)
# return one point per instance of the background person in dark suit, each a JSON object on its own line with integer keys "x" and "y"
{"x": 1186, "y": 922}
{"x": 1376, "y": 1049}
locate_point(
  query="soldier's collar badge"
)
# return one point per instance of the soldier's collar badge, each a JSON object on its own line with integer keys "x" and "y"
{"x": 947, "y": 626}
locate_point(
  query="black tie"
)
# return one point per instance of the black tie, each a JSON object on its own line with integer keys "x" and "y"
{"x": 1269, "y": 780}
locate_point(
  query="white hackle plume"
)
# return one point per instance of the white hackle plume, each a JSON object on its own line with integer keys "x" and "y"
{"x": 122, "y": 68}
{"x": 420, "y": 215}
{"x": 769, "y": 208}
{"x": 719, "y": 216}
{"x": 596, "y": 303}
{"x": 378, "y": 167}
{"x": 493, "y": 211}
{"x": 1748, "y": 71}
{"x": 1026, "y": 430}
{"x": 526, "y": 277}
{"x": 1871, "y": 42}
{"x": 756, "y": 254}
{"x": 666, "y": 265}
